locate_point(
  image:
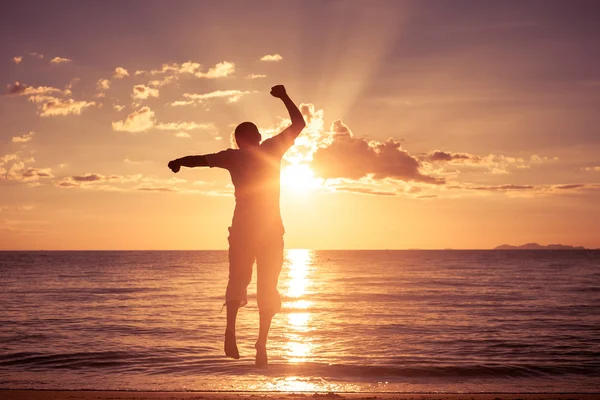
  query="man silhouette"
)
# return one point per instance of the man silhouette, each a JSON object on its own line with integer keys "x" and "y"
{"x": 256, "y": 232}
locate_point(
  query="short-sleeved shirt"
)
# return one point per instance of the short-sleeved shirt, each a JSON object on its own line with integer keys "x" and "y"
{"x": 255, "y": 174}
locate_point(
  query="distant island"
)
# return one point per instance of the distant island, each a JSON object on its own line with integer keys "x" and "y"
{"x": 535, "y": 246}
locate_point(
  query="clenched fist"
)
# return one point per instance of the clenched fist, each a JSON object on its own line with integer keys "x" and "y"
{"x": 174, "y": 166}
{"x": 278, "y": 91}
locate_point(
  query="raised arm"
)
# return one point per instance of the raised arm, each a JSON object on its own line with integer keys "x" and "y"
{"x": 292, "y": 131}
{"x": 188, "y": 161}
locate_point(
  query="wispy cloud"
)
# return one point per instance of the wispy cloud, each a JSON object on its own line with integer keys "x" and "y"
{"x": 183, "y": 126}
{"x": 272, "y": 57}
{"x": 25, "y": 90}
{"x": 60, "y": 60}
{"x": 17, "y": 59}
{"x": 26, "y": 137}
{"x": 53, "y": 106}
{"x": 255, "y": 76}
{"x": 231, "y": 95}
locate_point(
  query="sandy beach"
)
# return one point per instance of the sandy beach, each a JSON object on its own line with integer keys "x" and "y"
{"x": 131, "y": 395}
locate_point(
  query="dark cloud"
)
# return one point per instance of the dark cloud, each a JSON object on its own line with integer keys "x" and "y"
{"x": 445, "y": 156}
{"x": 36, "y": 173}
{"x": 347, "y": 156}
{"x": 567, "y": 187}
{"x": 16, "y": 88}
{"x": 503, "y": 187}
{"x": 89, "y": 178}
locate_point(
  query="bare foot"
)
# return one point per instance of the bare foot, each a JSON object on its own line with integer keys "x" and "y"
{"x": 261, "y": 355}
{"x": 231, "y": 349}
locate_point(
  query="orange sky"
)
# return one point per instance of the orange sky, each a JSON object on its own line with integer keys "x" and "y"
{"x": 430, "y": 124}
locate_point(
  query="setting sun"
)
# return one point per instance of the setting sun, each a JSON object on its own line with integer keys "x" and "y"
{"x": 299, "y": 178}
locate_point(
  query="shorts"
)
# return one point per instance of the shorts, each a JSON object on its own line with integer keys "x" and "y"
{"x": 266, "y": 249}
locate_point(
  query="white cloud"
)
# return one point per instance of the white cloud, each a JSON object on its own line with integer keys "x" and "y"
{"x": 255, "y": 76}
{"x": 183, "y": 126}
{"x": 24, "y": 90}
{"x": 138, "y": 121}
{"x": 231, "y": 95}
{"x": 272, "y": 57}
{"x": 52, "y": 106}
{"x": 26, "y": 137}
{"x": 37, "y": 55}
{"x": 60, "y": 60}
{"x": 179, "y": 103}
{"x": 141, "y": 92}
{"x": 592, "y": 169}
{"x": 17, "y": 59}
{"x": 183, "y": 135}
{"x": 221, "y": 70}
{"x": 13, "y": 168}
{"x": 103, "y": 84}
{"x": 118, "y": 107}
{"x": 120, "y": 72}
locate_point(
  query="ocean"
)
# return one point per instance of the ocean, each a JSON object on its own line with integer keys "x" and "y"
{"x": 366, "y": 321}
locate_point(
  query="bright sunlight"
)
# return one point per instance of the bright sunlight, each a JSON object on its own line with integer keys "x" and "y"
{"x": 299, "y": 178}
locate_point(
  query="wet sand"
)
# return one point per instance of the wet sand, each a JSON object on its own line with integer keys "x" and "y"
{"x": 130, "y": 395}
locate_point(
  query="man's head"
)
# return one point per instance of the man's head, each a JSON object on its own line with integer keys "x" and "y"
{"x": 247, "y": 135}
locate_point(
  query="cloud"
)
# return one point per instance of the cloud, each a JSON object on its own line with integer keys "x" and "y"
{"x": 13, "y": 168}
{"x": 362, "y": 190}
{"x": 24, "y": 90}
{"x": 496, "y": 163}
{"x": 103, "y": 84}
{"x": 502, "y": 187}
{"x": 120, "y": 72}
{"x": 221, "y": 70}
{"x": 183, "y": 126}
{"x": 17, "y": 59}
{"x": 36, "y": 55}
{"x": 187, "y": 67}
{"x": 183, "y": 135}
{"x": 93, "y": 178}
{"x": 127, "y": 160}
{"x": 118, "y": 107}
{"x": 26, "y": 137}
{"x": 593, "y": 169}
{"x": 347, "y": 156}
{"x": 272, "y": 57}
{"x": 255, "y": 76}
{"x": 445, "y": 156}
{"x": 141, "y": 92}
{"x": 136, "y": 182}
{"x": 53, "y": 106}
{"x": 231, "y": 95}
{"x": 179, "y": 103}
{"x": 60, "y": 60}
{"x": 138, "y": 121}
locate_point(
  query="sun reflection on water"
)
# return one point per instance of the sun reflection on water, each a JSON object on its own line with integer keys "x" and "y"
{"x": 299, "y": 344}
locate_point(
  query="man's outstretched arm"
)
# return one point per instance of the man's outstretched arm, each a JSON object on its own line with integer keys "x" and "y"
{"x": 298, "y": 123}
{"x": 188, "y": 161}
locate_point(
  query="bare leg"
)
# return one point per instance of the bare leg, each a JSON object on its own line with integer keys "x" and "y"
{"x": 231, "y": 349}
{"x": 261, "y": 343}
